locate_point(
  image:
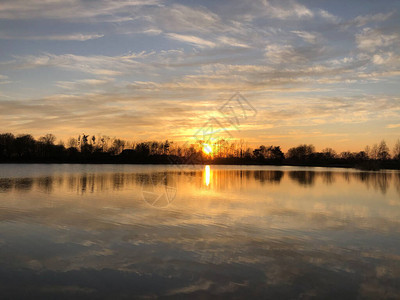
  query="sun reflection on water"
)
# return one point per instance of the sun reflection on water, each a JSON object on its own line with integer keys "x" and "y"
{"x": 207, "y": 175}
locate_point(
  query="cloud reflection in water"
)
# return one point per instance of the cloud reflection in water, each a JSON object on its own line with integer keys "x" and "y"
{"x": 231, "y": 231}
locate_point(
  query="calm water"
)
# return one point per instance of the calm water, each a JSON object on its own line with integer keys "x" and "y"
{"x": 106, "y": 231}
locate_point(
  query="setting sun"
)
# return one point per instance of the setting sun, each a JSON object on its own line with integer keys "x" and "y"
{"x": 207, "y": 149}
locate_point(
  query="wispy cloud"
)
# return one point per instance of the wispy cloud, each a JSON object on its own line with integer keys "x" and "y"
{"x": 194, "y": 40}
{"x": 288, "y": 9}
{"x": 391, "y": 126}
{"x": 183, "y": 19}
{"x": 328, "y": 16}
{"x": 307, "y": 36}
{"x": 232, "y": 42}
{"x": 4, "y": 79}
{"x": 65, "y": 37}
{"x": 372, "y": 39}
{"x": 94, "y": 64}
{"x": 80, "y": 85}
{"x": 367, "y": 19}
{"x": 71, "y": 9}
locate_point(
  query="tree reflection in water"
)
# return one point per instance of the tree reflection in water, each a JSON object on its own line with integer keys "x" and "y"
{"x": 219, "y": 179}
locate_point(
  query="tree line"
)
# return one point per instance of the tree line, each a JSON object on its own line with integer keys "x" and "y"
{"x": 103, "y": 149}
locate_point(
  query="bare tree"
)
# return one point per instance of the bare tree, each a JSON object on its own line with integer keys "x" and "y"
{"x": 118, "y": 146}
{"x": 374, "y": 152}
{"x": 72, "y": 143}
{"x": 329, "y": 153}
{"x": 48, "y": 139}
{"x": 383, "y": 151}
{"x": 396, "y": 150}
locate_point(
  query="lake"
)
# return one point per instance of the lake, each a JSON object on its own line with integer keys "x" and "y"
{"x": 198, "y": 232}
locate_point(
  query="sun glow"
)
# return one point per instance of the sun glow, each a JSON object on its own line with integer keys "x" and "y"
{"x": 207, "y": 149}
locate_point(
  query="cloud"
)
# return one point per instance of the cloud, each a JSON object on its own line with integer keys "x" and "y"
{"x": 232, "y": 42}
{"x": 194, "y": 40}
{"x": 4, "y": 79}
{"x": 286, "y": 10}
{"x": 220, "y": 42}
{"x": 201, "y": 285}
{"x": 391, "y": 126}
{"x": 288, "y": 54}
{"x": 365, "y": 20}
{"x": 328, "y": 16}
{"x": 66, "y": 37}
{"x": 182, "y": 19}
{"x": 282, "y": 65}
{"x": 128, "y": 107}
{"x": 94, "y": 64}
{"x": 307, "y": 36}
{"x": 371, "y": 39}
{"x": 72, "y": 9}
{"x": 152, "y": 31}
{"x": 151, "y": 63}
{"x": 388, "y": 59}
{"x": 80, "y": 85}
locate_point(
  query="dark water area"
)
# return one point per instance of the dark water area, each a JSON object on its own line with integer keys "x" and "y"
{"x": 224, "y": 232}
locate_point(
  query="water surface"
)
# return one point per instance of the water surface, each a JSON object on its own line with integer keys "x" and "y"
{"x": 107, "y": 231}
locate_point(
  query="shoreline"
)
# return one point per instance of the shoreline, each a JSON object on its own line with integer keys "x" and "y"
{"x": 316, "y": 165}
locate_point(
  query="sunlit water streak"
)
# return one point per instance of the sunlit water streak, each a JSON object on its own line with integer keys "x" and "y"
{"x": 207, "y": 175}
{"x": 217, "y": 231}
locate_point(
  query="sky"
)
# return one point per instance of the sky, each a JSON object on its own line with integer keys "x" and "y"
{"x": 315, "y": 72}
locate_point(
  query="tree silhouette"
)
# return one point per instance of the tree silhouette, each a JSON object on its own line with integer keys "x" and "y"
{"x": 301, "y": 152}
{"x": 7, "y": 141}
{"x": 383, "y": 151}
{"x": 396, "y": 150}
{"x": 48, "y": 139}
{"x": 24, "y": 145}
{"x": 92, "y": 149}
{"x": 117, "y": 146}
{"x": 72, "y": 143}
{"x": 271, "y": 153}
